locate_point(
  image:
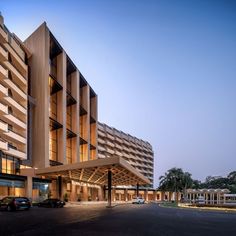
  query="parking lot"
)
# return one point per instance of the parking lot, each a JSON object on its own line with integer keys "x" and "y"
{"x": 124, "y": 219}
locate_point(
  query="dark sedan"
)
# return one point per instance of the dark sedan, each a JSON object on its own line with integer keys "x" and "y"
{"x": 15, "y": 203}
{"x": 51, "y": 202}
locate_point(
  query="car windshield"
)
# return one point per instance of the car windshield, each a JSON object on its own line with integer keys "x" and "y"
{"x": 6, "y": 199}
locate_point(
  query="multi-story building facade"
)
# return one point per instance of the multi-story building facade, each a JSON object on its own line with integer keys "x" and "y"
{"x": 136, "y": 152}
{"x": 48, "y": 126}
{"x": 13, "y": 106}
{"x": 64, "y": 120}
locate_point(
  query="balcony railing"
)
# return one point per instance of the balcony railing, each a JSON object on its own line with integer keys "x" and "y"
{"x": 3, "y": 35}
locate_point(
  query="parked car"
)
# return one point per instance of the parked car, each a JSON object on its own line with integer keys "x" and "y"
{"x": 51, "y": 202}
{"x": 200, "y": 200}
{"x": 138, "y": 200}
{"x": 15, "y": 203}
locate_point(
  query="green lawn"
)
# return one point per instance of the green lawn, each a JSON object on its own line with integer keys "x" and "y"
{"x": 169, "y": 204}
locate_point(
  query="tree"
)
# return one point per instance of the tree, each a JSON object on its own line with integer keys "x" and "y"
{"x": 175, "y": 180}
{"x": 232, "y": 181}
{"x": 187, "y": 182}
{"x": 232, "y": 177}
{"x": 196, "y": 184}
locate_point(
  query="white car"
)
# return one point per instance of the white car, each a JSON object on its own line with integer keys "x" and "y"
{"x": 138, "y": 200}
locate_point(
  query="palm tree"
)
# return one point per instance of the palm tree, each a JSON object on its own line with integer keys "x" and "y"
{"x": 187, "y": 182}
{"x": 175, "y": 180}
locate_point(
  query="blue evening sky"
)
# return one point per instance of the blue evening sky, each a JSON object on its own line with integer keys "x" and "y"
{"x": 164, "y": 71}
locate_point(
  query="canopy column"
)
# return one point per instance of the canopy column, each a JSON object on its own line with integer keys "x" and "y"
{"x": 109, "y": 182}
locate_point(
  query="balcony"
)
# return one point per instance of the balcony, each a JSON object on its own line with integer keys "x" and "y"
{"x": 14, "y": 137}
{"x": 3, "y": 91}
{"x": 110, "y": 151}
{"x": 111, "y": 137}
{"x": 17, "y": 48}
{"x": 17, "y": 61}
{"x": 16, "y": 153}
{"x": 3, "y": 127}
{"x": 12, "y": 120}
{"x": 100, "y": 148}
{"x": 126, "y": 149}
{"x": 3, "y": 145}
{"x": 118, "y": 146}
{"x": 101, "y": 133}
{"x": 100, "y": 155}
{"x": 126, "y": 142}
{"x": 11, "y": 102}
{"x": 3, "y": 54}
{"x": 3, "y": 35}
{"x": 17, "y": 77}
{"x": 118, "y": 139}
{"x": 3, "y": 109}
{"x": 110, "y": 144}
{"x": 17, "y": 92}
{"x": 100, "y": 140}
{"x": 118, "y": 153}
{"x": 125, "y": 155}
{"x": 3, "y": 73}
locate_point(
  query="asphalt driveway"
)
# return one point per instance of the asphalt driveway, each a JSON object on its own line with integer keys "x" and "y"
{"x": 127, "y": 219}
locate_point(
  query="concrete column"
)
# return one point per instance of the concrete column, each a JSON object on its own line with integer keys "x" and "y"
{"x": 85, "y": 193}
{"x": 154, "y": 195}
{"x": 29, "y": 187}
{"x": 73, "y": 195}
{"x": 61, "y": 106}
{"x": 75, "y": 117}
{"x": 126, "y": 194}
{"x": 113, "y": 194}
{"x": 100, "y": 195}
{"x": 59, "y": 187}
{"x": 145, "y": 195}
{"x": 137, "y": 190}
{"x": 162, "y": 196}
{"x": 109, "y": 176}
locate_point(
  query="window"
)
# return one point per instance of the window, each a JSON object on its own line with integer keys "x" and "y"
{"x": 53, "y": 145}
{"x": 69, "y": 118}
{"x": 53, "y": 106}
{"x": 10, "y": 165}
{"x": 68, "y": 83}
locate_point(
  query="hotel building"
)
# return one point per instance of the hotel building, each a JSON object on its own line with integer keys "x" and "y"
{"x": 136, "y": 152}
{"x": 49, "y": 128}
{"x": 13, "y": 110}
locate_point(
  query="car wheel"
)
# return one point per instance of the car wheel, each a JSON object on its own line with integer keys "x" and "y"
{"x": 8, "y": 208}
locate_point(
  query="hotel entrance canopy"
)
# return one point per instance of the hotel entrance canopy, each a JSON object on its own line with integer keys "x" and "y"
{"x": 96, "y": 172}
